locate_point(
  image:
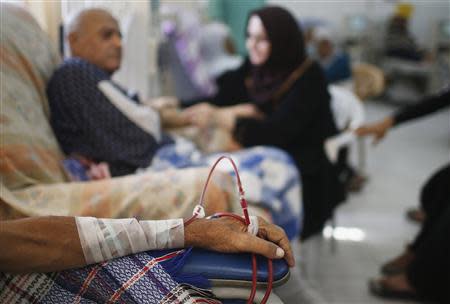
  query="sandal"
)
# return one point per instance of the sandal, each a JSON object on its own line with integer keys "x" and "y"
{"x": 356, "y": 182}
{"x": 398, "y": 264}
{"x": 416, "y": 215}
{"x": 379, "y": 288}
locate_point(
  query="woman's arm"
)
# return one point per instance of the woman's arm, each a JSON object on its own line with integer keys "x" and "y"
{"x": 425, "y": 107}
{"x": 205, "y": 115}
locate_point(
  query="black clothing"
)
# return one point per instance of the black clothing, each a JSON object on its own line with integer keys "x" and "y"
{"x": 425, "y": 107}
{"x": 298, "y": 123}
{"x": 434, "y": 197}
{"x": 429, "y": 273}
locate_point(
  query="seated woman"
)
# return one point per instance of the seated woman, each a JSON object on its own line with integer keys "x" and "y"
{"x": 85, "y": 252}
{"x": 279, "y": 97}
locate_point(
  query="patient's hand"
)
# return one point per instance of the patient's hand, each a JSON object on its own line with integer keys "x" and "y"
{"x": 169, "y": 112}
{"x": 163, "y": 102}
{"x": 229, "y": 235}
{"x": 173, "y": 118}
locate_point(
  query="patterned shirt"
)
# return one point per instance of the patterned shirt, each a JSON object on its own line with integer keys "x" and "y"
{"x": 85, "y": 122}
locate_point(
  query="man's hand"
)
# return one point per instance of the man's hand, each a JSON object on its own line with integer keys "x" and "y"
{"x": 229, "y": 235}
{"x": 163, "y": 102}
{"x": 378, "y": 129}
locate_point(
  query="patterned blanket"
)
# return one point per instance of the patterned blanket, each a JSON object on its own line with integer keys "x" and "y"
{"x": 139, "y": 278}
{"x": 269, "y": 177}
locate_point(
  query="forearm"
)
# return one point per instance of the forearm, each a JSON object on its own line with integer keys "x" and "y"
{"x": 104, "y": 239}
{"x": 41, "y": 244}
{"x": 226, "y": 117}
{"x": 172, "y": 118}
{"x": 426, "y": 106}
{"x": 46, "y": 244}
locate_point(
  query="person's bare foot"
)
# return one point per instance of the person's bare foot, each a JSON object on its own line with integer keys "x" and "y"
{"x": 397, "y": 282}
{"x": 416, "y": 215}
{"x": 357, "y": 182}
{"x": 398, "y": 264}
{"x": 395, "y": 287}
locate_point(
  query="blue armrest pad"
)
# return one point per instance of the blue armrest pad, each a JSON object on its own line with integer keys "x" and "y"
{"x": 224, "y": 266}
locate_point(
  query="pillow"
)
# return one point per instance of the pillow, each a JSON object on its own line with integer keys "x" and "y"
{"x": 29, "y": 152}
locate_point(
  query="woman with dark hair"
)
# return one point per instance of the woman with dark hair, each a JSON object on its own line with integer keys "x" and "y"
{"x": 279, "y": 97}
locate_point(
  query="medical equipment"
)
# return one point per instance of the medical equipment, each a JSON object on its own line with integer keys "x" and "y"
{"x": 199, "y": 212}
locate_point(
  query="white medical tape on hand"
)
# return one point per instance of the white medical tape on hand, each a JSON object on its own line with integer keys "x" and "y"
{"x": 253, "y": 228}
{"x": 104, "y": 239}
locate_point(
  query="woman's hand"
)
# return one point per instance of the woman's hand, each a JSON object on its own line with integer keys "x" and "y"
{"x": 247, "y": 110}
{"x": 226, "y": 117}
{"x": 378, "y": 129}
{"x": 205, "y": 115}
{"x": 201, "y": 115}
{"x": 230, "y": 235}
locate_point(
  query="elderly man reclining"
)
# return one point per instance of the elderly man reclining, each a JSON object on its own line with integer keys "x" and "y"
{"x": 95, "y": 118}
{"x": 44, "y": 244}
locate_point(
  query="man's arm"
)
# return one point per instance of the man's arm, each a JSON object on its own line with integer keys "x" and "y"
{"x": 45, "y": 244}
{"x": 40, "y": 244}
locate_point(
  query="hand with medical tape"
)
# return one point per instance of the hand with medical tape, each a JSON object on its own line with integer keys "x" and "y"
{"x": 54, "y": 243}
{"x": 228, "y": 235}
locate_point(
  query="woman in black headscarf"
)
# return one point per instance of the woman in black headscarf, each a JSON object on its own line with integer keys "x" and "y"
{"x": 279, "y": 97}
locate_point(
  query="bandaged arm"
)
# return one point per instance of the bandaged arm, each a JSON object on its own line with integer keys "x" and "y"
{"x": 105, "y": 239}
{"x": 52, "y": 243}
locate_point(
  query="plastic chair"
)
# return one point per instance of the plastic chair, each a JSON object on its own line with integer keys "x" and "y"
{"x": 368, "y": 81}
{"x": 348, "y": 112}
{"x": 349, "y": 115}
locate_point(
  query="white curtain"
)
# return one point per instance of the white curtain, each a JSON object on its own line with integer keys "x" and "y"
{"x": 46, "y": 13}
